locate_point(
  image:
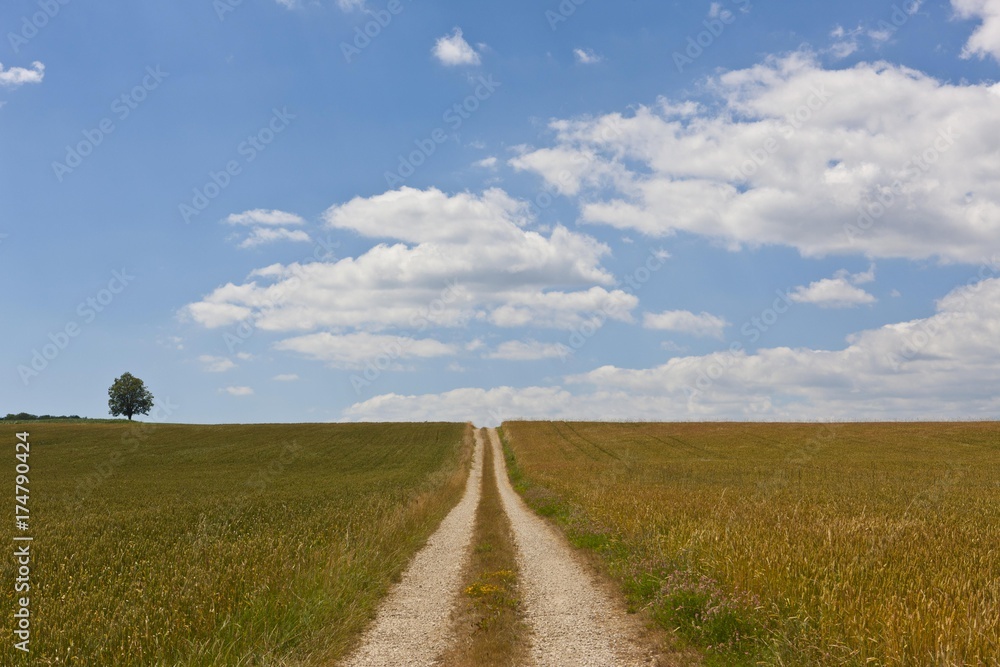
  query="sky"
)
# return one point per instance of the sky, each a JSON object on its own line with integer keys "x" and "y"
{"x": 340, "y": 210}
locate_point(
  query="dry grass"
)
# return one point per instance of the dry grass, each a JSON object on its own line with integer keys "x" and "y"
{"x": 866, "y": 544}
{"x": 491, "y": 629}
{"x": 224, "y": 545}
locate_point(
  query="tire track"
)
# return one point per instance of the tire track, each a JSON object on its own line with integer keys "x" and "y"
{"x": 413, "y": 627}
{"x": 574, "y": 622}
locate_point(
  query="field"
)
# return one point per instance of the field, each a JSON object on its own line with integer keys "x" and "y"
{"x": 222, "y": 545}
{"x": 794, "y": 544}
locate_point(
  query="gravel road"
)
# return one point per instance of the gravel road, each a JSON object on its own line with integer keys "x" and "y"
{"x": 413, "y": 626}
{"x": 574, "y": 621}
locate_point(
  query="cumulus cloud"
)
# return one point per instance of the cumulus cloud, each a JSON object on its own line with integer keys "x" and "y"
{"x": 453, "y": 50}
{"x": 353, "y": 350}
{"x": 485, "y": 407}
{"x": 840, "y": 291}
{"x": 941, "y": 367}
{"x": 268, "y": 226}
{"x": 530, "y": 350}
{"x": 238, "y": 391}
{"x": 876, "y": 160}
{"x": 985, "y": 39}
{"x": 285, "y": 377}
{"x": 683, "y": 321}
{"x": 453, "y": 259}
{"x": 12, "y": 77}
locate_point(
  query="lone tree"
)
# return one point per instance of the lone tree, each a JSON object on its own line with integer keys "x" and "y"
{"x": 129, "y": 396}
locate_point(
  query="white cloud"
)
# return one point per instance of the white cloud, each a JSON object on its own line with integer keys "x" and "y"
{"x": 452, "y": 50}
{"x": 985, "y": 39}
{"x": 837, "y": 292}
{"x": 564, "y": 310}
{"x": 353, "y": 350}
{"x": 238, "y": 391}
{"x": 262, "y": 235}
{"x": 486, "y": 163}
{"x": 463, "y": 258}
{"x": 13, "y": 77}
{"x": 875, "y": 160}
{"x": 941, "y": 367}
{"x": 530, "y": 350}
{"x": 216, "y": 364}
{"x": 286, "y": 377}
{"x": 831, "y": 293}
{"x": 484, "y": 407}
{"x": 683, "y": 321}
{"x": 351, "y": 5}
{"x": 586, "y": 56}
{"x": 260, "y": 216}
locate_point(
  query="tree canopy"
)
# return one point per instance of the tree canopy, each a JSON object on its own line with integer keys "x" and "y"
{"x": 129, "y": 396}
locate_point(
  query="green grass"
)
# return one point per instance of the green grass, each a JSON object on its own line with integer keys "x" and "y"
{"x": 223, "y": 545}
{"x": 791, "y": 544}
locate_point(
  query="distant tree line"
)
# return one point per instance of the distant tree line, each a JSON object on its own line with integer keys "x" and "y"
{"x": 24, "y": 417}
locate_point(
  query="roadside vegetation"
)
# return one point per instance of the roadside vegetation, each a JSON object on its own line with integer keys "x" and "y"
{"x": 491, "y": 630}
{"x": 224, "y": 545}
{"x": 790, "y": 544}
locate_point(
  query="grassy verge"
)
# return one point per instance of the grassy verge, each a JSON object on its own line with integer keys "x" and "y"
{"x": 235, "y": 545}
{"x": 491, "y": 628}
{"x": 836, "y": 544}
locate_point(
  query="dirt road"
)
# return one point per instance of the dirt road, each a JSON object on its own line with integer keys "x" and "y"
{"x": 574, "y": 622}
{"x": 413, "y": 626}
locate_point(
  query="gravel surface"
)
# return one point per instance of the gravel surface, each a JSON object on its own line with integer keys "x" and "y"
{"x": 413, "y": 626}
{"x": 574, "y": 621}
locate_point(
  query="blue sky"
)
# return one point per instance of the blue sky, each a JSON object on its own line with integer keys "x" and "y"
{"x": 363, "y": 210}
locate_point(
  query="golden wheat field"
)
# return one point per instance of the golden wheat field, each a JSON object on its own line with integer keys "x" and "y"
{"x": 223, "y": 545}
{"x": 790, "y": 544}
